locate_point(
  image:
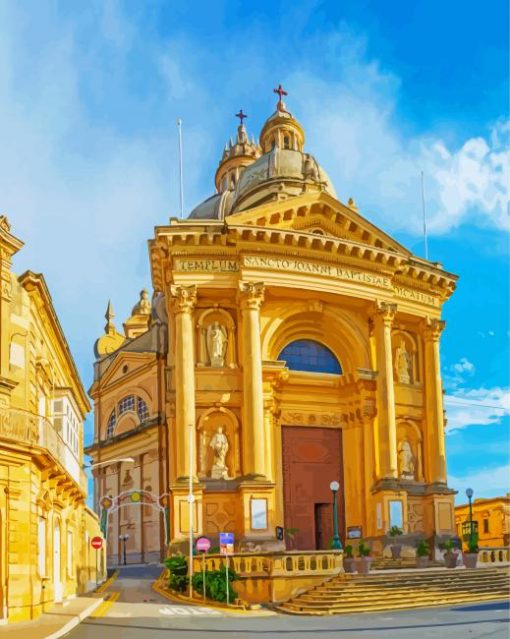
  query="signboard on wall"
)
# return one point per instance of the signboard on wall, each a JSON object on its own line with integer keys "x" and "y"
{"x": 354, "y": 532}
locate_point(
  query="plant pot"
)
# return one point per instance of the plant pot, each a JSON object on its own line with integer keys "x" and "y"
{"x": 363, "y": 565}
{"x": 450, "y": 559}
{"x": 395, "y": 551}
{"x": 349, "y": 564}
{"x": 422, "y": 562}
{"x": 470, "y": 559}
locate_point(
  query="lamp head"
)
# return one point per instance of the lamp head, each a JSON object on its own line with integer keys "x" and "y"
{"x": 469, "y": 493}
{"x": 334, "y": 486}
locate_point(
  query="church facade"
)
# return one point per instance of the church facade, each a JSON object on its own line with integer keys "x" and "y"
{"x": 290, "y": 343}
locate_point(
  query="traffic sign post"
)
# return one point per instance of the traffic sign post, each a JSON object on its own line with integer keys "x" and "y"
{"x": 203, "y": 544}
{"x": 226, "y": 548}
{"x": 97, "y": 544}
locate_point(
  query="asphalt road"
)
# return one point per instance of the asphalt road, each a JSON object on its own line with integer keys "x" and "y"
{"x": 140, "y": 612}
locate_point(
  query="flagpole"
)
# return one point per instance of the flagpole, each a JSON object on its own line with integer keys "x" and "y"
{"x": 424, "y": 218}
{"x": 179, "y": 126}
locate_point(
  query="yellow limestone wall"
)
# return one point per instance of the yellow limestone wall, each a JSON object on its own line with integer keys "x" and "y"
{"x": 493, "y": 518}
{"x": 42, "y": 486}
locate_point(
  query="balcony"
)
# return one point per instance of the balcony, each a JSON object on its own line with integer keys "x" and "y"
{"x": 23, "y": 427}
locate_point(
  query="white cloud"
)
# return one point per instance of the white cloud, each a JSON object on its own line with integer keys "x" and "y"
{"x": 476, "y": 407}
{"x": 486, "y": 482}
{"x": 464, "y": 365}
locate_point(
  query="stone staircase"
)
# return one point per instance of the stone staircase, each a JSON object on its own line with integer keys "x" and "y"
{"x": 400, "y": 590}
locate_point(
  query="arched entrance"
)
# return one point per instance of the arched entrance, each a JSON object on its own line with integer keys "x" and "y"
{"x": 132, "y": 498}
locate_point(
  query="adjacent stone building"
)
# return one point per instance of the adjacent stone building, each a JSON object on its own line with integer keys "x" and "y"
{"x": 45, "y": 525}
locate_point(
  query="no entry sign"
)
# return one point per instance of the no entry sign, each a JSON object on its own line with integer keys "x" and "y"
{"x": 203, "y": 544}
{"x": 96, "y": 542}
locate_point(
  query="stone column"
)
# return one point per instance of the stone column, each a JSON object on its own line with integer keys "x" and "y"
{"x": 434, "y": 402}
{"x": 184, "y": 300}
{"x": 254, "y": 437}
{"x": 384, "y": 316}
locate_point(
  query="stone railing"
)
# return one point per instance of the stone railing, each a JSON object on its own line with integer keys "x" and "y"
{"x": 24, "y": 427}
{"x": 498, "y": 555}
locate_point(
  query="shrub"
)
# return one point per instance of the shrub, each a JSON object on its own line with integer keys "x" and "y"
{"x": 422, "y": 549}
{"x": 448, "y": 545}
{"x": 395, "y": 531}
{"x": 178, "y": 567}
{"x": 348, "y": 551}
{"x": 363, "y": 549}
{"x": 215, "y": 584}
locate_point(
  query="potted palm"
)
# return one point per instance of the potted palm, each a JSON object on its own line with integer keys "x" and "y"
{"x": 422, "y": 554}
{"x": 349, "y": 561}
{"x": 364, "y": 559}
{"x": 471, "y": 555}
{"x": 396, "y": 549}
{"x": 451, "y": 554}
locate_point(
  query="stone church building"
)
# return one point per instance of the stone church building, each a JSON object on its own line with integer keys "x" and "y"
{"x": 289, "y": 343}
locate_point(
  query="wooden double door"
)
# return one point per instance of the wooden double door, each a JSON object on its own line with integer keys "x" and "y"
{"x": 312, "y": 459}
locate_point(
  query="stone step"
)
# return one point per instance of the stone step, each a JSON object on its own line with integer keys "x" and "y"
{"x": 471, "y": 583}
{"x": 294, "y": 608}
{"x": 385, "y": 596}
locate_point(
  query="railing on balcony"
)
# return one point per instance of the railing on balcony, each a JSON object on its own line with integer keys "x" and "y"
{"x": 313, "y": 562}
{"x": 25, "y": 427}
{"x": 498, "y": 555}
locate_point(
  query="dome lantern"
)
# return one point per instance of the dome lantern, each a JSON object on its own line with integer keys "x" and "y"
{"x": 281, "y": 129}
{"x": 236, "y": 156}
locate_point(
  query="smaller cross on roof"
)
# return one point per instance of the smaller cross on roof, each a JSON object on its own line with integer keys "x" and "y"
{"x": 281, "y": 92}
{"x": 241, "y": 116}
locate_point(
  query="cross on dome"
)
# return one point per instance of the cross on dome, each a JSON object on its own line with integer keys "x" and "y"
{"x": 281, "y": 92}
{"x": 241, "y": 116}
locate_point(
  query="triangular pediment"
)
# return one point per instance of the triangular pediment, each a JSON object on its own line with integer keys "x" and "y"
{"x": 319, "y": 214}
{"x": 125, "y": 364}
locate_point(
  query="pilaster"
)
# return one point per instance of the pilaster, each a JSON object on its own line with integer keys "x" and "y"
{"x": 183, "y": 301}
{"x": 386, "y": 423}
{"x": 434, "y": 402}
{"x": 251, "y": 296}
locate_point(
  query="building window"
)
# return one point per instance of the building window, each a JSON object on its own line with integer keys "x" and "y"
{"x": 286, "y": 142}
{"x": 125, "y": 404}
{"x": 143, "y": 410}
{"x": 41, "y": 546}
{"x": 466, "y": 529}
{"x": 485, "y": 526}
{"x": 310, "y": 356}
{"x": 110, "y": 428}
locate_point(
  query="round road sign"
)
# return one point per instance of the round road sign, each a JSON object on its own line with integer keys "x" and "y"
{"x": 96, "y": 542}
{"x": 203, "y": 544}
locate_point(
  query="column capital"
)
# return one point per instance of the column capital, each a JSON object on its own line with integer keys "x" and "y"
{"x": 184, "y": 298}
{"x": 386, "y": 311}
{"x": 251, "y": 294}
{"x": 433, "y": 329}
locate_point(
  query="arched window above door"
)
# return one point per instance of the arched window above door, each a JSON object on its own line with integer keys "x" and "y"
{"x": 310, "y": 356}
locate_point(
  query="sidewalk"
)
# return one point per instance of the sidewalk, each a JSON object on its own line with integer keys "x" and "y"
{"x": 57, "y": 622}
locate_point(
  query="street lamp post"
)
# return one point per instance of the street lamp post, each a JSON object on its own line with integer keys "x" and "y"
{"x": 469, "y": 495}
{"x": 124, "y": 539}
{"x": 337, "y": 544}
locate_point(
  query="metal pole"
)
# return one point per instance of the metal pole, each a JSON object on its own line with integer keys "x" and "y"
{"x": 179, "y": 126}
{"x": 125, "y": 540}
{"x": 424, "y": 218}
{"x": 226, "y": 576}
{"x": 97, "y": 582}
{"x": 337, "y": 544}
{"x": 203, "y": 574}
{"x": 470, "y": 523}
{"x": 190, "y": 502}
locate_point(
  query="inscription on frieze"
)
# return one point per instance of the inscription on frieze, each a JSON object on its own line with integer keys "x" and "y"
{"x": 206, "y": 266}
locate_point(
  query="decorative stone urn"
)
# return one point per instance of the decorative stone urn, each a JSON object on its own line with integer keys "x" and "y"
{"x": 422, "y": 562}
{"x": 349, "y": 564}
{"x": 470, "y": 559}
{"x": 396, "y": 549}
{"x": 363, "y": 565}
{"x": 450, "y": 559}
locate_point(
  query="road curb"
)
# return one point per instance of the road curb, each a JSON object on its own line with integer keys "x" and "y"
{"x": 72, "y": 623}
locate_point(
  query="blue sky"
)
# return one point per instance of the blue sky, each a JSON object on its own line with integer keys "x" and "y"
{"x": 90, "y": 93}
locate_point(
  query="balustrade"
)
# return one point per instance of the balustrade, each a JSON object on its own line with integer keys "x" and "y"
{"x": 497, "y": 555}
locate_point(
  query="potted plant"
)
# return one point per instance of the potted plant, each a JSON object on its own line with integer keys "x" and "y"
{"x": 422, "y": 554}
{"x": 470, "y": 556}
{"x": 349, "y": 561}
{"x": 364, "y": 559}
{"x": 396, "y": 549}
{"x": 451, "y": 554}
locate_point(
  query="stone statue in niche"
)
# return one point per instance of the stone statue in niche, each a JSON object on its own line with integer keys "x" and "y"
{"x": 217, "y": 344}
{"x": 403, "y": 362}
{"x": 220, "y": 446}
{"x": 406, "y": 461}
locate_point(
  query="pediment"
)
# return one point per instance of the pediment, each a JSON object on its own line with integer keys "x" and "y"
{"x": 117, "y": 370}
{"x": 319, "y": 214}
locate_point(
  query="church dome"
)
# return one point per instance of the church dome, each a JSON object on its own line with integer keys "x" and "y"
{"x": 245, "y": 178}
